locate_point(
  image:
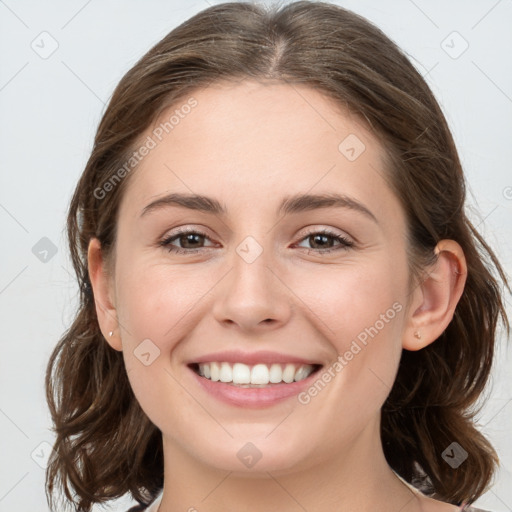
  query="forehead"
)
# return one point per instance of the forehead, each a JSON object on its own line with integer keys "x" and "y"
{"x": 251, "y": 143}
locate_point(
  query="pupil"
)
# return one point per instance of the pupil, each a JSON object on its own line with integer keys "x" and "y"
{"x": 321, "y": 238}
{"x": 191, "y": 237}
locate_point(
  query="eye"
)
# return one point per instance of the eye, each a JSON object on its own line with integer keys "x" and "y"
{"x": 189, "y": 239}
{"x": 323, "y": 240}
{"x": 192, "y": 241}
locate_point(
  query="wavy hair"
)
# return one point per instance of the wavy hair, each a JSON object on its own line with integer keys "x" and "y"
{"x": 105, "y": 445}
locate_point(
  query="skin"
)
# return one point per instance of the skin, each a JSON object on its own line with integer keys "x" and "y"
{"x": 249, "y": 145}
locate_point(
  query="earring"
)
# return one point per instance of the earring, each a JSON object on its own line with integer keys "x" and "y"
{"x": 111, "y": 333}
{"x": 417, "y": 335}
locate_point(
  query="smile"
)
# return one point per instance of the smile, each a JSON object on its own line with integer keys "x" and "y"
{"x": 258, "y": 375}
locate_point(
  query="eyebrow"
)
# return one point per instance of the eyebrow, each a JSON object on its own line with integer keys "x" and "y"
{"x": 291, "y": 204}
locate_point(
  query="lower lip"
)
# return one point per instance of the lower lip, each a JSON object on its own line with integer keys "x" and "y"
{"x": 253, "y": 397}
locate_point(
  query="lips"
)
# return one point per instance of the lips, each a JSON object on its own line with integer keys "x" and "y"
{"x": 253, "y": 358}
{"x": 255, "y": 380}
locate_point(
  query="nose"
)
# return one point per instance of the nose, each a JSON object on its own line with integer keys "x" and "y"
{"x": 253, "y": 296}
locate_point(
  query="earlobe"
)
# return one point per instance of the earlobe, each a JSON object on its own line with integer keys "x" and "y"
{"x": 101, "y": 285}
{"x": 435, "y": 299}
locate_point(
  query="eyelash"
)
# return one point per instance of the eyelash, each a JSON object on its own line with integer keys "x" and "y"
{"x": 345, "y": 243}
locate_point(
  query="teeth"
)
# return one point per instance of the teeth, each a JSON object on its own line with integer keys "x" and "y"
{"x": 257, "y": 375}
{"x": 301, "y": 373}
{"x": 289, "y": 373}
{"x": 226, "y": 373}
{"x": 241, "y": 374}
{"x": 275, "y": 374}
{"x": 214, "y": 372}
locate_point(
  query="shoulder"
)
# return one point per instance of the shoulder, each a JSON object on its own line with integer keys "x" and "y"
{"x": 466, "y": 508}
{"x": 434, "y": 505}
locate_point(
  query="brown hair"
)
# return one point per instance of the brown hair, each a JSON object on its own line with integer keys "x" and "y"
{"x": 105, "y": 444}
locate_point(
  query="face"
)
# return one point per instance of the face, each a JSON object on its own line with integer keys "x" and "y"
{"x": 258, "y": 285}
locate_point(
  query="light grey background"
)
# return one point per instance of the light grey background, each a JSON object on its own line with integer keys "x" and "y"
{"x": 50, "y": 106}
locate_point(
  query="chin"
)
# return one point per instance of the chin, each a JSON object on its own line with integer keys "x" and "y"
{"x": 255, "y": 457}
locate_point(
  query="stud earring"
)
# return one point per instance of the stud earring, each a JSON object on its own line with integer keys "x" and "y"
{"x": 417, "y": 335}
{"x": 111, "y": 333}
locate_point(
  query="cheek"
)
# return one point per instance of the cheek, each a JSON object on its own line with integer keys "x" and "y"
{"x": 345, "y": 301}
{"x": 157, "y": 302}
{"x": 360, "y": 313}
{"x": 156, "y": 307}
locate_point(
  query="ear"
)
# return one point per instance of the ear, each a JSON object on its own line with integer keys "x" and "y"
{"x": 434, "y": 300}
{"x": 102, "y": 289}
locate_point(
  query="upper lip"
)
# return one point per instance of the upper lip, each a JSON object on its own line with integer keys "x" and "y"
{"x": 252, "y": 358}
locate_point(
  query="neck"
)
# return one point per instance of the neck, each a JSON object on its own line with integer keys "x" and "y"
{"x": 362, "y": 482}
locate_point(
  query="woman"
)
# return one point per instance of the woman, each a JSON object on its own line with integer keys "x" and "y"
{"x": 283, "y": 304}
